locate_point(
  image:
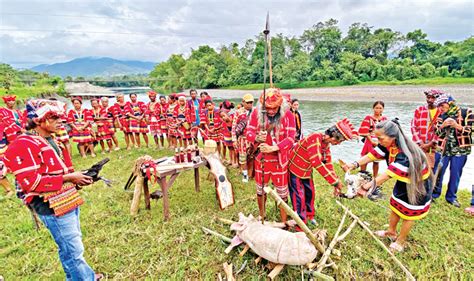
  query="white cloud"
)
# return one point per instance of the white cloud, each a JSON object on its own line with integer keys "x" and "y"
{"x": 34, "y": 32}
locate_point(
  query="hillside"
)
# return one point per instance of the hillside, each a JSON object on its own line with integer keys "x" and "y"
{"x": 92, "y": 67}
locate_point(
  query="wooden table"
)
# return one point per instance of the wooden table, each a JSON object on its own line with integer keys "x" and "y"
{"x": 166, "y": 180}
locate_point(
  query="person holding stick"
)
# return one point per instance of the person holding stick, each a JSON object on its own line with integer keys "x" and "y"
{"x": 274, "y": 136}
{"x": 407, "y": 163}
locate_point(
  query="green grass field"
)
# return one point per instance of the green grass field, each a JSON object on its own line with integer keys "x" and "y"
{"x": 338, "y": 83}
{"x": 145, "y": 247}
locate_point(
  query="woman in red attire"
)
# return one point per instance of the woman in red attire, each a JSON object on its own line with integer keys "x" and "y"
{"x": 366, "y": 131}
{"x": 80, "y": 120}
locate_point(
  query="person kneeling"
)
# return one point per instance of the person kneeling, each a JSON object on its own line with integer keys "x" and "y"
{"x": 314, "y": 151}
{"x": 44, "y": 172}
{"x": 407, "y": 163}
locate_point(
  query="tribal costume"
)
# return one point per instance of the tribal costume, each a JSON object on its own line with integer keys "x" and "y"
{"x": 39, "y": 164}
{"x": 104, "y": 129}
{"x": 163, "y": 112}
{"x": 138, "y": 109}
{"x": 153, "y": 113}
{"x": 62, "y": 135}
{"x": 275, "y": 164}
{"x": 398, "y": 164}
{"x": 239, "y": 130}
{"x": 13, "y": 120}
{"x": 455, "y": 143}
{"x": 312, "y": 152}
{"x": 213, "y": 122}
{"x": 227, "y": 131}
{"x": 171, "y": 122}
{"x": 182, "y": 115}
{"x": 366, "y": 131}
{"x": 79, "y": 119}
{"x": 120, "y": 112}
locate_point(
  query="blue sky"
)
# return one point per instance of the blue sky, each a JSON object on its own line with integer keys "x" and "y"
{"x": 49, "y": 31}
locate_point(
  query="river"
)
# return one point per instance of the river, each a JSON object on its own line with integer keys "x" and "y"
{"x": 319, "y": 115}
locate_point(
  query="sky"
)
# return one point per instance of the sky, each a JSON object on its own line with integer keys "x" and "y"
{"x": 51, "y": 31}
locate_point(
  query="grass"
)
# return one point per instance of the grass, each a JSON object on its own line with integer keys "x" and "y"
{"x": 24, "y": 92}
{"x": 145, "y": 247}
{"x": 338, "y": 83}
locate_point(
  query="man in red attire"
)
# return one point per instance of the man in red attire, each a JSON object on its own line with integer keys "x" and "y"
{"x": 274, "y": 135}
{"x": 153, "y": 111}
{"x": 14, "y": 123}
{"x": 314, "y": 151}
{"x": 44, "y": 172}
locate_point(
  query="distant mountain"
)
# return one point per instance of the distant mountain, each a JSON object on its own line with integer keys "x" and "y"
{"x": 93, "y": 66}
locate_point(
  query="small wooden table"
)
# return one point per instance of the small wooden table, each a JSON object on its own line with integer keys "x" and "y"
{"x": 166, "y": 180}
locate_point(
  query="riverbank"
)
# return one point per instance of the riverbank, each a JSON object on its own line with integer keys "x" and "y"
{"x": 361, "y": 93}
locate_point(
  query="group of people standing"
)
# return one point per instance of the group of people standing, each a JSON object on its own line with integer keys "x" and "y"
{"x": 265, "y": 140}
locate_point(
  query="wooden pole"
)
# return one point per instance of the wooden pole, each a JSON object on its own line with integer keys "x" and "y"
{"x": 366, "y": 228}
{"x": 220, "y": 236}
{"x": 270, "y": 67}
{"x": 298, "y": 220}
{"x": 319, "y": 275}
{"x": 137, "y": 193}
{"x": 324, "y": 258}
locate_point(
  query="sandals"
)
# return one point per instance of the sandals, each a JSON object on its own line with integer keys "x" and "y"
{"x": 395, "y": 247}
{"x": 385, "y": 234}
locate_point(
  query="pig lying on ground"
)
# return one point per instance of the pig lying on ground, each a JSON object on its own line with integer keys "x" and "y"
{"x": 273, "y": 244}
{"x": 355, "y": 182}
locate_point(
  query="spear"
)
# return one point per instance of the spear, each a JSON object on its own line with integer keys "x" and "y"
{"x": 266, "y": 33}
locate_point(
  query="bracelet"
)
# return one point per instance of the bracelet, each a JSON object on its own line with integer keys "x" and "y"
{"x": 356, "y": 164}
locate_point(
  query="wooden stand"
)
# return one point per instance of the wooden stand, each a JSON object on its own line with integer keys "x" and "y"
{"x": 165, "y": 180}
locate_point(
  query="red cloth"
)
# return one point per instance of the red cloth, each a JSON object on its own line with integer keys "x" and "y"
{"x": 153, "y": 111}
{"x": 138, "y": 109}
{"x": 422, "y": 126}
{"x": 366, "y": 130}
{"x": 104, "y": 127}
{"x": 311, "y": 152}
{"x": 192, "y": 108}
{"x": 36, "y": 165}
{"x": 182, "y": 114}
{"x": 13, "y": 122}
{"x": 164, "y": 109}
{"x": 79, "y": 119}
{"x": 212, "y": 120}
{"x": 284, "y": 137}
{"x": 171, "y": 123}
{"x": 120, "y": 112}
{"x": 272, "y": 170}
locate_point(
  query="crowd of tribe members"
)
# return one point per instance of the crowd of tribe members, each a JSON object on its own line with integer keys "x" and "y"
{"x": 263, "y": 140}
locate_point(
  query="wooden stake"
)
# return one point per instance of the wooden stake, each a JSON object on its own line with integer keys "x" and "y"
{"x": 348, "y": 230}
{"x": 366, "y": 228}
{"x": 298, "y": 220}
{"x": 137, "y": 193}
{"x": 319, "y": 275}
{"x": 324, "y": 258}
{"x": 228, "y": 271}
{"x": 276, "y": 270}
{"x": 220, "y": 236}
{"x": 258, "y": 260}
{"x": 246, "y": 248}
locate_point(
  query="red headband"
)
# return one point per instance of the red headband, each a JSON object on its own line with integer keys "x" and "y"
{"x": 273, "y": 98}
{"x": 151, "y": 94}
{"x": 8, "y": 98}
{"x": 346, "y": 128}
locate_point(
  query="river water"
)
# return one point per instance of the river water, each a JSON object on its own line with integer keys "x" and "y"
{"x": 319, "y": 115}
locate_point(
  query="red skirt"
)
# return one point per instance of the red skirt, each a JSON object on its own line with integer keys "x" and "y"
{"x": 61, "y": 134}
{"x": 366, "y": 148}
{"x": 85, "y": 136}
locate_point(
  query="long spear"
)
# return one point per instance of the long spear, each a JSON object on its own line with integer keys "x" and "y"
{"x": 266, "y": 33}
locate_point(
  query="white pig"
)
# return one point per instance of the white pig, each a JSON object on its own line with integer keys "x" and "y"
{"x": 273, "y": 244}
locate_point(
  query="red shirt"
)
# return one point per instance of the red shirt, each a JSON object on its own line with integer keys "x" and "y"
{"x": 36, "y": 165}
{"x": 311, "y": 152}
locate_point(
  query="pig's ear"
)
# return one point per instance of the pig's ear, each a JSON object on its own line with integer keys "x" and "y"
{"x": 237, "y": 226}
{"x": 251, "y": 217}
{"x": 242, "y": 217}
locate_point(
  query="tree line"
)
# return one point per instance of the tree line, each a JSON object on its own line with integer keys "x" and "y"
{"x": 320, "y": 54}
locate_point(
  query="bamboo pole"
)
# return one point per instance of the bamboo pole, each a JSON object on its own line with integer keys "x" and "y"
{"x": 217, "y": 234}
{"x": 366, "y": 228}
{"x": 319, "y": 275}
{"x": 298, "y": 220}
{"x": 333, "y": 243}
{"x": 348, "y": 230}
